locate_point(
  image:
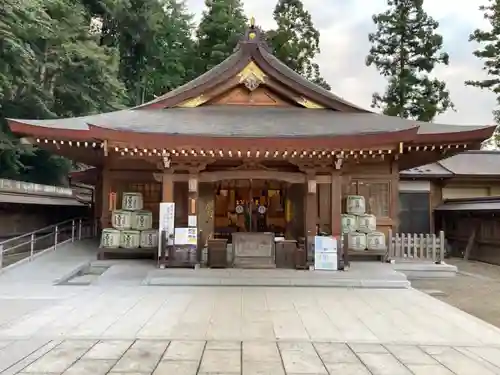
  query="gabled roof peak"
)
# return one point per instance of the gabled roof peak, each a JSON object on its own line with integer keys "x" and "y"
{"x": 254, "y": 36}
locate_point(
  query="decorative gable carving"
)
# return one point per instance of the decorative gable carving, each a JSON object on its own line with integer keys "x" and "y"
{"x": 260, "y": 96}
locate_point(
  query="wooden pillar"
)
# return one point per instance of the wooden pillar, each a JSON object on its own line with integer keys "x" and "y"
{"x": 394, "y": 196}
{"x": 167, "y": 187}
{"x": 193, "y": 199}
{"x": 105, "y": 216}
{"x": 97, "y": 197}
{"x": 311, "y": 210}
{"x": 336, "y": 204}
{"x": 435, "y": 200}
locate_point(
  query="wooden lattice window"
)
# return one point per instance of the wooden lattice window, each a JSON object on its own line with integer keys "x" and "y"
{"x": 377, "y": 195}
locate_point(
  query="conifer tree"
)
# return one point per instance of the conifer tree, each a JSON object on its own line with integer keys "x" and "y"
{"x": 405, "y": 49}
{"x": 296, "y": 41}
{"x": 489, "y": 52}
{"x": 222, "y": 25}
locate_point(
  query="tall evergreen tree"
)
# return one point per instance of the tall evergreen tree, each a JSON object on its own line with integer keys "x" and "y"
{"x": 154, "y": 39}
{"x": 51, "y": 65}
{"x": 296, "y": 41}
{"x": 173, "y": 65}
{"x": 222, "y": 25}
{"x": 405, "y": 49}
{"x": 489, "y": 52}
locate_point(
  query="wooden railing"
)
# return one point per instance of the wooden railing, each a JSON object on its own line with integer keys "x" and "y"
{"x": 428, "y": 247}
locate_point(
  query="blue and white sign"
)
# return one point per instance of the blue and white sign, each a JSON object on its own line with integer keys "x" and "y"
{"x": 325, "y": 253}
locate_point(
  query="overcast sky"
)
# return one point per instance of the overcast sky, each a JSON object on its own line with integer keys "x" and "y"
{"x": 344, "y": 26}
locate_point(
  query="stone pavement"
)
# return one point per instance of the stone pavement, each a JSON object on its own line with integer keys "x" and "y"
{"x": 122, "y": 327}
{"x": 161, "y": 357}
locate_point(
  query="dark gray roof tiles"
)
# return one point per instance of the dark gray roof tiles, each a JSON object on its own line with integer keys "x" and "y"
{"x": 479, "y": 163}
{"x": 470, "y": 163}
{"x": 431, "y": 170}
{"x": 244, "y": 121}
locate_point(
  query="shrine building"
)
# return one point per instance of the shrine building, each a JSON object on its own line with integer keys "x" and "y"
{"x": 250, "y": 136}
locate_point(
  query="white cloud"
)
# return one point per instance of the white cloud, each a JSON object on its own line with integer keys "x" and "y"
{"x": 344, "y": 26}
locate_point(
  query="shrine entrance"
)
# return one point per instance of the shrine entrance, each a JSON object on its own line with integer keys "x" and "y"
{"x": 251, "y": 215}
{"x": 250, "y": 206}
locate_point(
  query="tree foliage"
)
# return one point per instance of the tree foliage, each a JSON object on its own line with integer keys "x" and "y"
{"x": 154, "y": 41}
{"x": 65, "y": 58}
{"x": 222, "y": 25}
{"x": 295, "y": 41}
{"x": 489, "y": 52}
{"x": 405, "y": 49}
{"x": 51, "y": 65}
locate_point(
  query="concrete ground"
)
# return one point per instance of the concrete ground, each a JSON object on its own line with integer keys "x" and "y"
{"x": 123, "y": 327}
{"x": 474, "y": 289}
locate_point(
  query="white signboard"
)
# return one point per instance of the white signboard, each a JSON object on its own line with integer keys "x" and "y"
{"x": 185, "y": 236}
{"x": 325, "y": 253}
{"x": 167, "y": 217}
{"x": 325, "y": 262}
{"x": 192, "y": 222}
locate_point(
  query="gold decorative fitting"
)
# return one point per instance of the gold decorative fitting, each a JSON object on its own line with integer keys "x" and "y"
{"x": 166, "y": 155}
{"x": 251, "y": 35}
{"x": 252, "y": 72}
{"x": 308, "y": 103}
{"x": 252, "y": 22}
{"x": 251, "y": 82}
{"x": 194, "y": 102}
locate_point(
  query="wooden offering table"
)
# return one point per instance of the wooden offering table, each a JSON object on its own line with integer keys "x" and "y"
{"x": 253, "y": 250}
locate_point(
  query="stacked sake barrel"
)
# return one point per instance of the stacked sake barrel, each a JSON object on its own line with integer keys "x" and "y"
{"x": 361, "y": 228}
{"x": 132, "y": 226}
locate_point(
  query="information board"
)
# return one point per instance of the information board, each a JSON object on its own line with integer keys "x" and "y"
{"x": 167, "y": 217}
{"x": 325, "y": 253}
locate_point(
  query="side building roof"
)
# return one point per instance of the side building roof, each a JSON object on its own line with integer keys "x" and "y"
{"x": 475, "y": 163}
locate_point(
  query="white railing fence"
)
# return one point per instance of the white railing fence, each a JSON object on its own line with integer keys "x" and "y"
{"x": 29, "y": 245}
{"x": 428, "y": 247}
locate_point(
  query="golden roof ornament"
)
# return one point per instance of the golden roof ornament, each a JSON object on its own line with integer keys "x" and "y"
{"x": 252, "y": 34}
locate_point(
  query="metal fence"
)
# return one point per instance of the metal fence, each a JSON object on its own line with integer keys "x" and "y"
{"x": 29, "y": 245}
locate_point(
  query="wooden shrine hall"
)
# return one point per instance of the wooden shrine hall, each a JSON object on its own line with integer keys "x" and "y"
{"x": 250, "y": 148}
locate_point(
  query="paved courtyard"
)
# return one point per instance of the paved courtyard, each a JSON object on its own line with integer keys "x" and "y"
{"x": 123, "y": 327}
{"x": 471, "y": 290}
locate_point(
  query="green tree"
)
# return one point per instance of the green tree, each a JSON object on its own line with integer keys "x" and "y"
{"x": 51, "y": 65}
{"x": 154, "y": 39}
{"x": 222, "y": 25}
{"x": 173, "y": 64}
{"x": 405, "y": 49}
{"x": 489, "y": 52}
{"x": 295, "y": 41}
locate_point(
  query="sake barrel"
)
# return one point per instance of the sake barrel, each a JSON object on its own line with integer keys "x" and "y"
{"x": 132, "y": 201}
{"x": 130, "y": 239}
{"x": 348, "y": 223}
{"x": 110, "y": 238}
{"x": 149, "y": 238}
{"x": 355, "y": 204}
{"x": 376, "y": 241}
{"x": 121, "y": 219}
{"x": 356, "y": 241}
{"x": 367, "y": 223}
{"x": 142, "y": 220}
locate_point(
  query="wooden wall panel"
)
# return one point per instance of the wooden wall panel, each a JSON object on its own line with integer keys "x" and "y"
{"x": 181, "y": 204}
